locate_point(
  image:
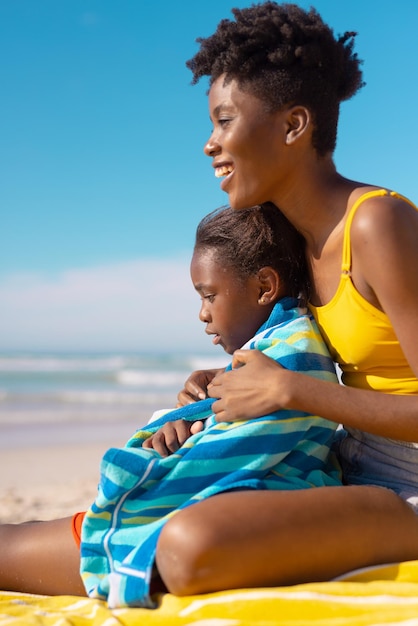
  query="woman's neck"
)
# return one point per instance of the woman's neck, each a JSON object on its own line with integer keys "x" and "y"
{"x": 315, "y": 201}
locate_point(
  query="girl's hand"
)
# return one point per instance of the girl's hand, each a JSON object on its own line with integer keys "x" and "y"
{"x": 170, "y": 437}
{"x": 195, "y": 387}
{"x": 251, "y": 389}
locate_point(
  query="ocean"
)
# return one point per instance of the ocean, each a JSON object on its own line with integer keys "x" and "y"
{"x": 70, "y": 397}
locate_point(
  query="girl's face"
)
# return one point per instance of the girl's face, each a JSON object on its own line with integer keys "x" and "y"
{"x": 246, "y": 145}
{"x": 230, "y": 305}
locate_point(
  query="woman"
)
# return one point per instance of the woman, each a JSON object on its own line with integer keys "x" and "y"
{"x": 277, "y": 77}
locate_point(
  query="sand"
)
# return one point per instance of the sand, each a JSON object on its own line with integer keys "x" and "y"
{"x": 45, "y": 483}
{"x": 55, "y": 479}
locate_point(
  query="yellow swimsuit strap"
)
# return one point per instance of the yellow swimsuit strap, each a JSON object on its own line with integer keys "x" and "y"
{"x": 346, "y": 261}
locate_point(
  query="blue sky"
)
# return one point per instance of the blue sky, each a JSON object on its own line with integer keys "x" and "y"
{"x": 103, "y": 177}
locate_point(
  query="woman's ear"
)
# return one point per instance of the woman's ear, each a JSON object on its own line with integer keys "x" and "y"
{"x": 270, "y": 285}
{"x": 298, "y": 122}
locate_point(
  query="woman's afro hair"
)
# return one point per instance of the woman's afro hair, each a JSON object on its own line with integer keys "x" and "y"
{"x": 284, "y": 55}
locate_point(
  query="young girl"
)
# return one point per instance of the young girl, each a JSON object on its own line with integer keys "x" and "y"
{"x": 249, "y": 269}
{"x": 277, "y": 77}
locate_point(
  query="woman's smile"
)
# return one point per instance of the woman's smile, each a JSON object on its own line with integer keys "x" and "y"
{"x": 244, "y": 155}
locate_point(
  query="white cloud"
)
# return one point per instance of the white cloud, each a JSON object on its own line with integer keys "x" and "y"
{"x": 144, "y": 304}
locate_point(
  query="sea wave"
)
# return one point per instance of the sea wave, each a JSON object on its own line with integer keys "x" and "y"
{"x": 77, "y": 396}
{"x": 46, "y": 388}
{"x": 149, "y": 378}
{"x": 32, "y": 363}
{"x": 60, "y": 364}
{"x": 206, "y": 362}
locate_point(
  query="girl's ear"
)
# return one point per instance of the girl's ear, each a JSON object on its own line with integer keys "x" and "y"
{"x": 298, "y": 122}
{"x": 270, "y": 285}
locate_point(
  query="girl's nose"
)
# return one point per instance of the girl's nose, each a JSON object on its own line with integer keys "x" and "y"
{"x": 204, "y": 313}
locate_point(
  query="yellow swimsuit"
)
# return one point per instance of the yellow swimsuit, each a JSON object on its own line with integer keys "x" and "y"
{"x": 362, "y": 341}
{"x": 359, "y": 336}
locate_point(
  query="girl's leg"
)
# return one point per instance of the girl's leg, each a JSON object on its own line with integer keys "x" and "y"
{"x": 40, "y": 557}
{"x": 267, "y": 538}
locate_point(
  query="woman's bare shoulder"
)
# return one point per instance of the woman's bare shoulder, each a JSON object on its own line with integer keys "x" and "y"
{"x": 388, "y": 216}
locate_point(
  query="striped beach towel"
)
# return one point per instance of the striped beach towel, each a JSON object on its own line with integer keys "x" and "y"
{"x": 140, "y": 490}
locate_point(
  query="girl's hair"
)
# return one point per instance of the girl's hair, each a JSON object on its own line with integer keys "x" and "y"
{"x": 249, "y": 239}
{"x": 284, "y": 55}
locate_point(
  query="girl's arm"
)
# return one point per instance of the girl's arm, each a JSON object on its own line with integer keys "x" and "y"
{"x": 170, "y": 437}
{"x": 385, "y": 269}
{"x": 195, "y": 387}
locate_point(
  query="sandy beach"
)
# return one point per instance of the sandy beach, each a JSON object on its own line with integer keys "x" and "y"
{"x": 57, "y": 478}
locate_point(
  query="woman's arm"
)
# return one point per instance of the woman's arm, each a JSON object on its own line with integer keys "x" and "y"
{"x": 385, "y": 270}
{"x": 261, "y": 386}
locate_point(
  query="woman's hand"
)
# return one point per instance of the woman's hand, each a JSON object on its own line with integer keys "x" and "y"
{"x": 170, "y": 437}
{"x": 195, "y": 387}
{"x": 251, "y": 389}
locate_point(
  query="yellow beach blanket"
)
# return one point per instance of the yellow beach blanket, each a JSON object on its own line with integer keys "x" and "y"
{"x": 378, "y": 597}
